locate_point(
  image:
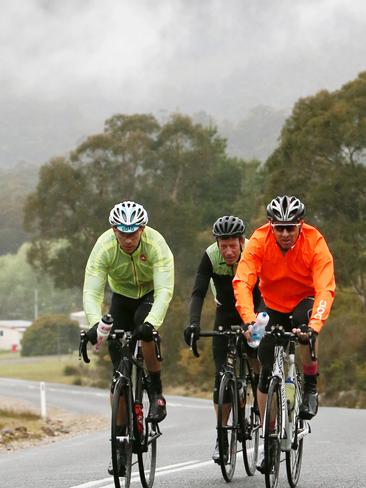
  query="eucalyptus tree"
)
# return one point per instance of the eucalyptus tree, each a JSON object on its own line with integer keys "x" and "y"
{"x": 322, "y": 159}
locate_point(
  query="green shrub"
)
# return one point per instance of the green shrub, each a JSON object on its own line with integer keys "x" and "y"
{"x": 51, "y": 334}
{"x": 71, "y": 370}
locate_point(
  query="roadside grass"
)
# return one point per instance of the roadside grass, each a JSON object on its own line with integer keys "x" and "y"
{"x": 8, "y": 354}
{"x": 19, "y": 425}
{"x": 64, "y": 369}
{"x": 22, "y": 427}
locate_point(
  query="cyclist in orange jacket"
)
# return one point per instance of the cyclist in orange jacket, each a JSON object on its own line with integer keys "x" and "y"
{"x": 296, "y": 280}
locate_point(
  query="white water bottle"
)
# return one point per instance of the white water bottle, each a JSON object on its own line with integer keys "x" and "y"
{"x": 103, "y": 330}
{"x": 258, "y": 329}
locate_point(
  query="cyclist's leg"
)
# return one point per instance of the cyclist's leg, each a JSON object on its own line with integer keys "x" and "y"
{"x": 157, "y": 411}
{"x": 252, "y": 357}
{"x": 300, "y": 316}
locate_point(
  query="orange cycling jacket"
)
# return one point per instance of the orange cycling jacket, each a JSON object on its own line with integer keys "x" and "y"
{"x": 285, "y": 279}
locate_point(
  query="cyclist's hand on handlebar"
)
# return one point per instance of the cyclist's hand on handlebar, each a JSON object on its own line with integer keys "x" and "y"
{"x": 144, "y": 332}
{"x": 188, "y": 331}
{"x": 304, "y": 332}
{"x": 247, "y": 330}
{"x": 103, "y": 330}
{"x": 92, "y": 335}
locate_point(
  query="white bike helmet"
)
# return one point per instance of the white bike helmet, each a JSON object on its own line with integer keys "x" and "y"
{"x": 285, "y": 209}
{"x": 128, "y": 216}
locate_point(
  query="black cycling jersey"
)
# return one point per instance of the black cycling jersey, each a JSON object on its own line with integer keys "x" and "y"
{"x": 213, "y": 267}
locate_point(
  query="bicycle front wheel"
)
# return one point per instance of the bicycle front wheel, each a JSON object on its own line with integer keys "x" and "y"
{"x": 294, "y": 456}
{"x": 227, "y": 426}
{"x": 121, "y": 442}
{"x": 148, "y": 433}
{"x": 249, "y": 426}
{"x": 272, "y": 437}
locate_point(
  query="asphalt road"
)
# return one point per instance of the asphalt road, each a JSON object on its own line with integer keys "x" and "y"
{"x": 334, "y": 457}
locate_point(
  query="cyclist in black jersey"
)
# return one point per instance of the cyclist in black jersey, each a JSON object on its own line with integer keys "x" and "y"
{"x": 218, "y": 266}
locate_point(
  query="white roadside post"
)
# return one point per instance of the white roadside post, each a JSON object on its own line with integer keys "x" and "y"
{"x": 42, "y": 386}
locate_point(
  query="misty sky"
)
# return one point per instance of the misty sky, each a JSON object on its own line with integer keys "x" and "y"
{"x": 67, "y": 65}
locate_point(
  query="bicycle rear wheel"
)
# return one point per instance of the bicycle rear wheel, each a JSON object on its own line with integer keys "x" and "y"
{"x": 147, "y": 433}
{"x": 227, "y": 426}
{"x": 122, "y": 444}
{"x": 272, "y": 437}
{"x": 249, "y": 425}
{"x": 294, "y": 456}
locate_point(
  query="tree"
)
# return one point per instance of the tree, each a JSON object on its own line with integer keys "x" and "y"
{"x": 322, "y": 159}
{"x": 176, "y": 171}
{"x": 75, "y": 194}
{"x": 51, "y": 334}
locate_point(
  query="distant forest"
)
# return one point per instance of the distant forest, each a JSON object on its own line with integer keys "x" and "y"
{"x": 186, "y": 173}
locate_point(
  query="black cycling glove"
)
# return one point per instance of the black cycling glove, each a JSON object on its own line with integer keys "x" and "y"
{"x": 189, "y": 330}
{"x": 92, "y": 334}
{"x": 145, "y": 332}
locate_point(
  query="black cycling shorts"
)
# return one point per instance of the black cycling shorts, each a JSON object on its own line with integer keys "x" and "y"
{"x": 127, "y": 314}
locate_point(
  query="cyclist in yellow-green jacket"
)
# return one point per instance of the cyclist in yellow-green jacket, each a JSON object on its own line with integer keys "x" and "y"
{"x": 139, "y": 267}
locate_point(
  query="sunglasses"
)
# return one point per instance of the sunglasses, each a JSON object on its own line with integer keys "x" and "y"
{"x": 283, "y": 227}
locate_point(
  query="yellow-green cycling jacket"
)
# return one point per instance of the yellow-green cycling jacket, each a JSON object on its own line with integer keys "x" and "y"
{"x": 149, "y": 267}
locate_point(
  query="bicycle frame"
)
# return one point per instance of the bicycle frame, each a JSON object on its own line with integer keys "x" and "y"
{"x": 279, "y": 362}
{"x": 131, "y": 383}
{"x": 279, "y": 373}
{"x": 125, "y": 368}
{"x": 234, "y": 373}
{"x": 231, "y": 358}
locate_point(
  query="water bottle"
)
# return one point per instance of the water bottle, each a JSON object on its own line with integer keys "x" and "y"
{"x": 139, "y": 417}
{"x": 258, "y": 329}
{"x": 290, "y": 393}
{"x": 104, "y": 327}
{"x": 107, "y": 319}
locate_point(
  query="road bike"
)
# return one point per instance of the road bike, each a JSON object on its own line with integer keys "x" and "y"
{"x": 238, "y": 389}
{"x": 283, "y": 428}
{"x": 130, "y": 387}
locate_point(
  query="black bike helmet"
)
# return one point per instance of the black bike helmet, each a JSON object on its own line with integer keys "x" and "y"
{"x": 285, "y": 209}
{"x": 228, "y": 226}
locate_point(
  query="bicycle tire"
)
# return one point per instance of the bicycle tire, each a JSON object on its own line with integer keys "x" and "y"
{"x": 272, "y": 437}
{"x": 147, "y": 447}
{"x": 294, "y": 456}
{"x": 227, "y": 435}
{"x": 249, "y": 424}
{"x": 122, "y": 393}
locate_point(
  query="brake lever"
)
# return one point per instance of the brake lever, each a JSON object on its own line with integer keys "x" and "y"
{"x": 193, "y": 346}
{"x": 312, "y": 341}
{"x": 156, "y": 339}
{"x": 83, "y": 353}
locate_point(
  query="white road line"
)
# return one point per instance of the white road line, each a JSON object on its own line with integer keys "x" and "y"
{"x": 173, "y": 468}
{"x": 105, "y": 395}
{"x": 188, "y": 405}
